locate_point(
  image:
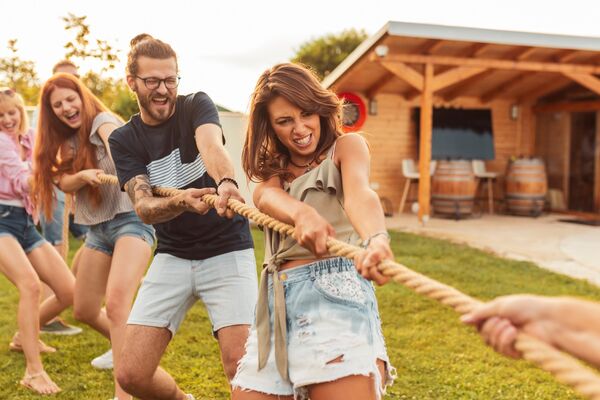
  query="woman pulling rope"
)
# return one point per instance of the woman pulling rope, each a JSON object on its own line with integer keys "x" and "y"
{"x": 317, "y": 332}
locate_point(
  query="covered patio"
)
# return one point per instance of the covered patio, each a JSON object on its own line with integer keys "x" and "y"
{"x": 541, "y": 92}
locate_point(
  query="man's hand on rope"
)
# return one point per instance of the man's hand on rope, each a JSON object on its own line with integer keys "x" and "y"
{"x": 500, "y": 320}
{"x": 90, "y": 176}
{"x": 366, "y": 261}
{"x": 226, "y": 191}
{"x": 311, "y": 231}
{"x": 191, "y": 200}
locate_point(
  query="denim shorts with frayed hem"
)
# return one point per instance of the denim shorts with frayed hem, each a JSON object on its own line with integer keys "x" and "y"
{"x": 52, "y": 229}
{"x": 226, "y": 283}
{"x": 103, "y": 236}
{"x": 16, "y": 223}
{"x": 333, "y": 331}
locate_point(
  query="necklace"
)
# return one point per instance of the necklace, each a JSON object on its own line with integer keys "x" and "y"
{"x": 306, "y": 167}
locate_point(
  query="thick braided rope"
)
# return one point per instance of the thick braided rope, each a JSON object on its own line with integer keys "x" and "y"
{"x": 565, "y": 368}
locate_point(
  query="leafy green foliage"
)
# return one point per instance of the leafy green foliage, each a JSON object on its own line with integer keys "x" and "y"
{"x": 19, "y": 74}
{"x": 114, "y": 93}
{"x": 325, "y": 53}
{"x": 436, "y": 357}
{"x": 80, "y": 47}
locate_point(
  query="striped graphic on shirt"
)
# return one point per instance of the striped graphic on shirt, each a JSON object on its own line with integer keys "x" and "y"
{"x": 170, "y": 172}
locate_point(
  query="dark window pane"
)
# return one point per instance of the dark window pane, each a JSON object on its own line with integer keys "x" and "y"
{"x": 465, "y": 134}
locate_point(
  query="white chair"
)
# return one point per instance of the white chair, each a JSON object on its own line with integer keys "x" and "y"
{"x": 432, "y": 165}
{"x": 484, "y": 177}
{"x": 411, "y": 173}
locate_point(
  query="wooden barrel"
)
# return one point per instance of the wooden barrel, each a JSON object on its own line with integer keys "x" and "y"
{"x": 526, "y": 186}
{"x": 453, "y": 188}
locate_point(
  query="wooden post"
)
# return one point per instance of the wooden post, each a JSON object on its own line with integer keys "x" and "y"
{"x": 566, "y": 173}
{"x": 425, "y": 144}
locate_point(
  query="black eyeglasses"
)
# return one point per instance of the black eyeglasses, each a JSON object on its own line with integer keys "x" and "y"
{"x": 154, "y": 83}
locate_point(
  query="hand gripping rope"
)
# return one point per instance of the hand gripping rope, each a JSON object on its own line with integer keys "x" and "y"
{"x": 565, "y": 368}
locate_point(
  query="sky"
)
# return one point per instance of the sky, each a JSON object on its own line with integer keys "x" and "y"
{"x": 223, "y": 46}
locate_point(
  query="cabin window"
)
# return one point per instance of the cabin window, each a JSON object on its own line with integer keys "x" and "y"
{"x": 460, "y": 134}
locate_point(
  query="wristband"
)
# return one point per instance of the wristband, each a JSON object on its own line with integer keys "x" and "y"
{"x": 365, "y": 243}
{"x": 230, "y": 180}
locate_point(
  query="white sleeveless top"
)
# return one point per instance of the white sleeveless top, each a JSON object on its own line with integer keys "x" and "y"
{"x": 112, "y": 200}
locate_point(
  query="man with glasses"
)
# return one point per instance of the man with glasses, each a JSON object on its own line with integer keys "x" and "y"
{"x": 177, "y": 141}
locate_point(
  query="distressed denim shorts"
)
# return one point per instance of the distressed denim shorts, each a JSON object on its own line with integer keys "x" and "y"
{"x": 15, "y": 222}
{"x": 103, "y": 236}
{"x": 52, "y": 229}
{"x": 333, "y": 331}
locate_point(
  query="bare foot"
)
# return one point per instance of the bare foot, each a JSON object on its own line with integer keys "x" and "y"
{"x": 40, "y": 383}
{"x": 15, "y": 345}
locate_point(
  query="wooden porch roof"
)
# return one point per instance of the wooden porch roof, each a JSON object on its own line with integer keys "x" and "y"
{"x": 487, "y": 64}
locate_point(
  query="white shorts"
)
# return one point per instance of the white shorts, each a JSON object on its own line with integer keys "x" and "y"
{"x": 227, "y": 284}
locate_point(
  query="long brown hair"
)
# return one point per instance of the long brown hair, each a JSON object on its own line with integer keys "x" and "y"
{"x": 264, "y": 156}
{"x": 52, "y": 133}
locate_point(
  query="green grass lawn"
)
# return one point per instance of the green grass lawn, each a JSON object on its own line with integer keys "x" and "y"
{"x": 436, "y": 356}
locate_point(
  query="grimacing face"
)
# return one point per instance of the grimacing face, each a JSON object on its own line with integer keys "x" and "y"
{"x": 298, "y": 130}
{"x": 156, "y": 105}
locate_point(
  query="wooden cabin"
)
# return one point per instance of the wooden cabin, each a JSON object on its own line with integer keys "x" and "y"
{"x": 540, "y": 91}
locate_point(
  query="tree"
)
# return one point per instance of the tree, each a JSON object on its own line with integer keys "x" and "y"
{"x": 19, "y": 74}
{"x": 325, "y": 53}
{"x": 80, "y": 47}
{"x": 114, "y": 93}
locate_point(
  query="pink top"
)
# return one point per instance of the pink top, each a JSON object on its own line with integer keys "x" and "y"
{"x": 14, "y": 171}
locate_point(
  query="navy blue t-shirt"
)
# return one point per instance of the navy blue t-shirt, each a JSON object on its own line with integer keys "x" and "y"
{"x": 168, "y": 154}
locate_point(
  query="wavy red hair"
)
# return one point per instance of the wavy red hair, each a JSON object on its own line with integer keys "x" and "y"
{"x": 49, "y": 161}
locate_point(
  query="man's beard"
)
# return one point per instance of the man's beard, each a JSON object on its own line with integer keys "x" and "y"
{"x": 163, "y": 114}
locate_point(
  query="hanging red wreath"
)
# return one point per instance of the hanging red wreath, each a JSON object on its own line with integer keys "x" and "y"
{"x": 355, "y": 112}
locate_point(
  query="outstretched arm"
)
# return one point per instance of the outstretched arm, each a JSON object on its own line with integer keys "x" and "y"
{"x": 311, "y": 230}
{"x": 70, "y": 183}
{"x": 362, "y": 204}
{"x": 154, "y": 210}
{"x": 567, "y": 323}
{"x": 218, "y": 165}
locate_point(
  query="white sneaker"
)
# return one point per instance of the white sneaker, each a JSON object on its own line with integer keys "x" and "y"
{"x": 103, "y": 361}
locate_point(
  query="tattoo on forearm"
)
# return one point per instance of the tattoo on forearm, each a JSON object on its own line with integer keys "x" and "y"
{"x": 138, "y": 187}
{"x": 151, "y": 209}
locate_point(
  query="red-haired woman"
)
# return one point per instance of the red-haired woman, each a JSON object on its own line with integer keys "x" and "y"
{"x": 71, "y": 150}
{"x": 25, "y": 257}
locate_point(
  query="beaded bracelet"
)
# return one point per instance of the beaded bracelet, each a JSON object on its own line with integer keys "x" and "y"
{"x": 365, "y": 243}
{"x": 230, "y": 180}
